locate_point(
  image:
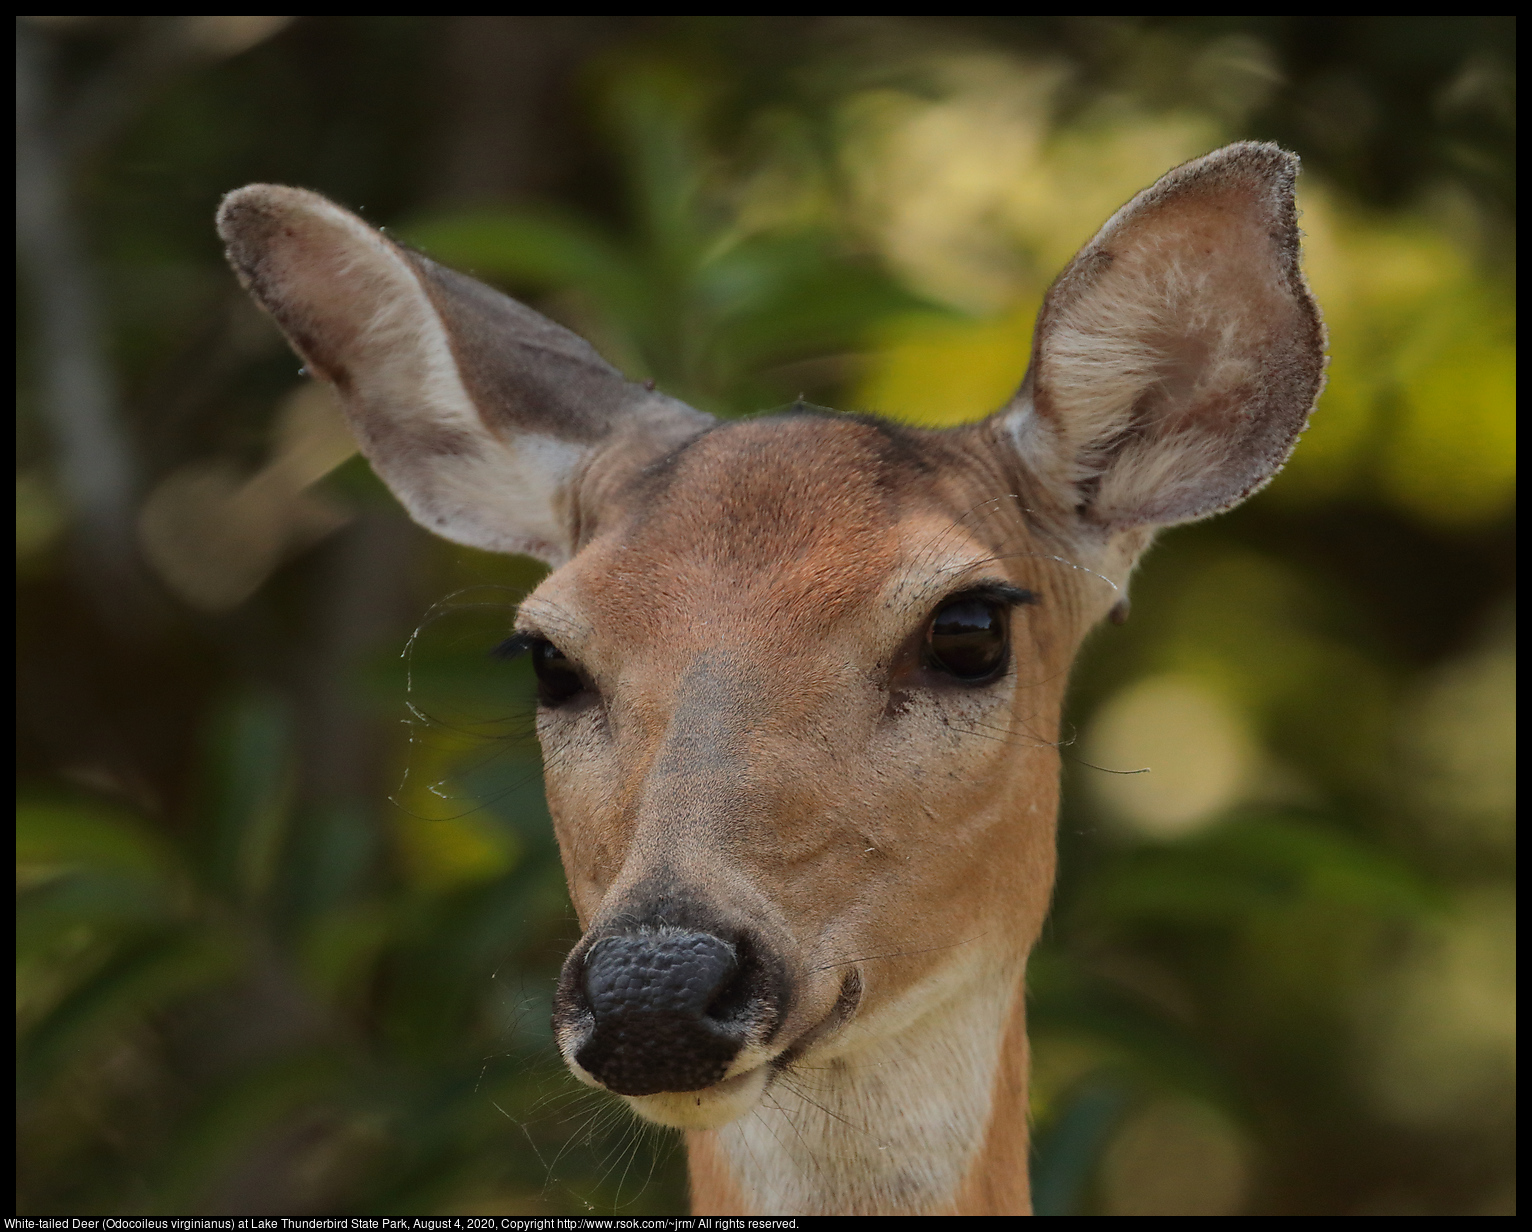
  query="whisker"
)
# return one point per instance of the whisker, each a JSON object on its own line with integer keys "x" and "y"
{"x": 834, "y": 1116}
{"x": 1107, "y": 769}
{"x": 952, "y": 945}
{"x": 633, "y": 1141}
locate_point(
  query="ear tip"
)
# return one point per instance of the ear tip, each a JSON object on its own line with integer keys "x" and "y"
{"x": 1256, "y": 154}
{"x": 260, "y": 220}
{"x": 256, "y": 210}
{"x": 253, "y": 202}
{"x": 1261, "y": 162}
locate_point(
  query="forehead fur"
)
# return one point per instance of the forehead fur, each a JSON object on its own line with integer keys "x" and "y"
{"x": 772, "y": 510}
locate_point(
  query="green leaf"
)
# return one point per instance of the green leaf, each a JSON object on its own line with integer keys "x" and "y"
{"x": 86, "y": 904}
{"x": 144, "y": 976}
{"x": 252, "y": 780}
{"x": 655, "y": 115}
{"x": 1251, "y": 865}
{"x": 232, "y": 1120}
{"x": 1066, "y": 1152}
{"x": 56, "y": 837}
{"x": 533, "y": 249}
{"x": 1063, "y": 997}
{"x": 788, "y": 296}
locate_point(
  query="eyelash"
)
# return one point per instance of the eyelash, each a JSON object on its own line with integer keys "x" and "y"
{"x": 521, "y": 643}
{"x": 996, "y": 592}
{"x": 518, "y": 644}
{"x": 514, "y": 646}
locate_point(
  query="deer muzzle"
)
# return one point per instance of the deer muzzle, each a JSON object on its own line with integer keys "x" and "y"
{"x": 663, "y": 1009}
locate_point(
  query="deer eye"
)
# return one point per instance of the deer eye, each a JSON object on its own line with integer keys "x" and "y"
{"x": 968, "y": 638}
{"x": 558, "y": 679}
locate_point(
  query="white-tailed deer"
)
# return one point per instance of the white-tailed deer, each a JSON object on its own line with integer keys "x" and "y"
{"x": 800, "y": 676}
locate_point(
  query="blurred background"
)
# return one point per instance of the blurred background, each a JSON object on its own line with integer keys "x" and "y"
{"x": 289, "y": 905}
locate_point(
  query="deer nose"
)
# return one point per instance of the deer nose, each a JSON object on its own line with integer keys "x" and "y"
{"x": 652, "y": 997}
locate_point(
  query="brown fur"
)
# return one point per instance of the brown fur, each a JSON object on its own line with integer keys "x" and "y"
{"x": 773, "y": 784}
{"x": 766, "y": 748}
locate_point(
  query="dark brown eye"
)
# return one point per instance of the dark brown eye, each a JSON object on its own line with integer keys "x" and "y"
{"x": 968, "y": 638}
{"x": 558, "y": 679}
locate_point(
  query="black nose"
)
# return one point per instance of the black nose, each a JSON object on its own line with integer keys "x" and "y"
{"x": 658, "y": 1001}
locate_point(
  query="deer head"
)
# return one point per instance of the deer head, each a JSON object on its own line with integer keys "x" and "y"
{"x": 800, "y": 675}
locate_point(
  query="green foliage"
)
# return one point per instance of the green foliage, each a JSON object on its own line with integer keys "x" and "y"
{"x": 397, "y": 1056}
{"x": 1250, "y": 870}
{"x": 277, "y": 952}
{"x": 720, "y": 311}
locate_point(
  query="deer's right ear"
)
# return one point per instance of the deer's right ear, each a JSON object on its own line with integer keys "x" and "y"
{"x": 476, "y": 411}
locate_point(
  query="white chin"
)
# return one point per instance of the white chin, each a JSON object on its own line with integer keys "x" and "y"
{"x": 707, "y": 1109}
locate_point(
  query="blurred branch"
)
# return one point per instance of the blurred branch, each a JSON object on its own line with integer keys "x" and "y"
{"x": 79, "y": 404}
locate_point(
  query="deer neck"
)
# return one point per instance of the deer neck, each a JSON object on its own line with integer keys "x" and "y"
{"x": 928, "y": 1118}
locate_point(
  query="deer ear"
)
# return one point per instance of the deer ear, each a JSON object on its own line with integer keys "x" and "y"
{"x": 1177, "y": 357}
{"x": 476, "y": 411}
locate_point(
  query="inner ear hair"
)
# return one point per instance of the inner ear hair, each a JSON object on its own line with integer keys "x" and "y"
{"x": 1177, "y": 358}
{"x": 477, "y": 412}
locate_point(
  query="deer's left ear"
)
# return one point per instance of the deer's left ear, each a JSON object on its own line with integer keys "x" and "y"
{"x": 1176, "y": 359}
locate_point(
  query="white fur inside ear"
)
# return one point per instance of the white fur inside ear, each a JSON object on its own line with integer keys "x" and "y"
{"x": 452, "y": 474}
{"x": 355, "y": 308}
{"x": 1159, "y": 335}
{"x": 1177, "y": 358}
{"x": 501, "y": 500}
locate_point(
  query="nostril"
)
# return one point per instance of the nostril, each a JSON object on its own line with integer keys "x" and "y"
{"x": 668, "y": 1010}
{"x": 681, "y": 974}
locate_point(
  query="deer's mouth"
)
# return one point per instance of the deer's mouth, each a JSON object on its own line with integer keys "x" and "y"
{"x": 840, "y": 1014}
{"x": 732, "y": 1097}
{"x": 709, "y": 1108}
